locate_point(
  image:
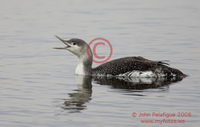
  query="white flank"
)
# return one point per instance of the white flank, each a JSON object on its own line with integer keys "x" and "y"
{"x": 145, "y": 74}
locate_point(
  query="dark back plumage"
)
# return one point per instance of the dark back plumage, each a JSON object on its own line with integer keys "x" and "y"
{"x": 129, "y": 64}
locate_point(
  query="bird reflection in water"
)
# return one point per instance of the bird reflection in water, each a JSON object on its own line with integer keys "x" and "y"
{"x": 83, "y": 94}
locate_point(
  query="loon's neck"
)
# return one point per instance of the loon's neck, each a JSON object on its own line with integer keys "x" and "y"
{"x": 84, "y": 66}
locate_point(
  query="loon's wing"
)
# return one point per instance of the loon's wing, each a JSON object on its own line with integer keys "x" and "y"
{"x": 129, "y": 64}
{"x": 123, "y": 65}
{"x": 161, "y": 62}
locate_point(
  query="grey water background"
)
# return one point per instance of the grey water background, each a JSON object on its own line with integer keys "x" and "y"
{"x": 38, "y": 84}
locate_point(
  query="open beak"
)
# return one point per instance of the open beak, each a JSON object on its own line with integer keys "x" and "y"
{"x": 65, "y": 42}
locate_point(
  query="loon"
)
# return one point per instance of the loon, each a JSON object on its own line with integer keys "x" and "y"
{"x": 126, "y": 67}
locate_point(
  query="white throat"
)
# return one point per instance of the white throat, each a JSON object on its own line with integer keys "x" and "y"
{"x": 80, "y": 68}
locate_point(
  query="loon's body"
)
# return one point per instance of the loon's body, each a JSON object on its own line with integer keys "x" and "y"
{"x": 128, "y": 66}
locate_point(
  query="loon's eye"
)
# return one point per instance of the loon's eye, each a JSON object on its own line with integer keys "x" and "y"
{"x": 74, "y": 43}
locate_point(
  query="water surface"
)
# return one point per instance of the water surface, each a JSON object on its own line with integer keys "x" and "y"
{"x": 37, "y": 83}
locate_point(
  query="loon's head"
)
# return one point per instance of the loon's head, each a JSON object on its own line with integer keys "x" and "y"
{"x": 76, "y": 46}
